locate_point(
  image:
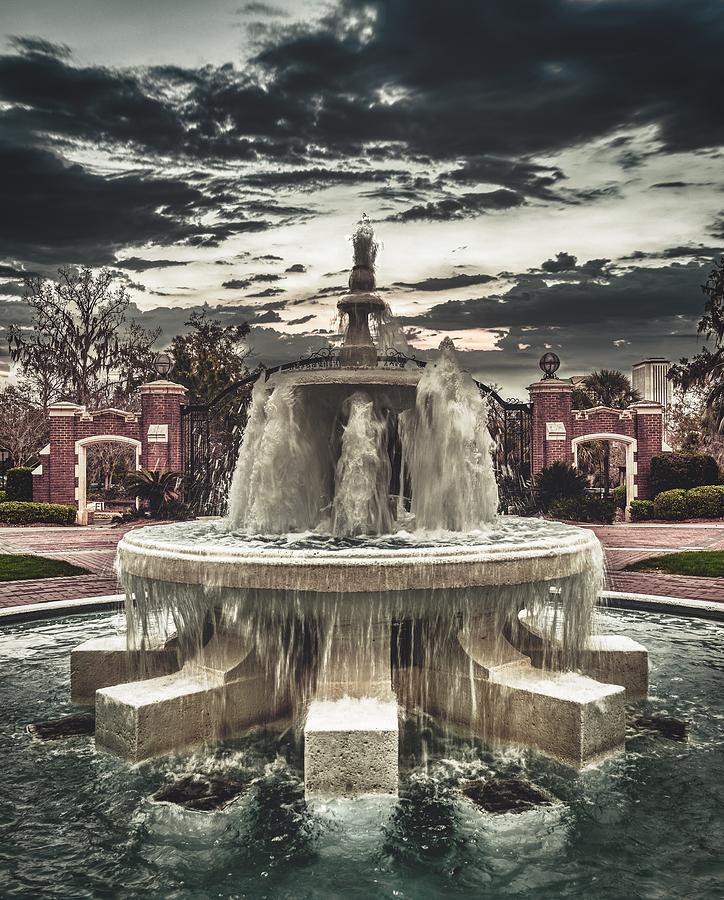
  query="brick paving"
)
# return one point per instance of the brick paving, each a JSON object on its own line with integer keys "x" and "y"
{"x": 94, "y": 549}
{"x": 626, "y": 544}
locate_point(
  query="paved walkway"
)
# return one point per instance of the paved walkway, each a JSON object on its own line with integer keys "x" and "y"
{"x": 626, "y": 544}
{"x": 94, "y": 548}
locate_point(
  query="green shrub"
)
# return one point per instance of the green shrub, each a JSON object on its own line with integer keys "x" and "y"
{"x": 583, "y": 509}
{"x": 642, "y": 510}
{"x": 670, "y": 505}
{"x": 13, "y": 513}
{"x": 3, "y": 496}
{"x": 619, "y": 496}
{"x": 558, "y": 481}
{"x": 19, "y": 484}
{"x": 705, "y": 502}
{"x": 682, "y": 470}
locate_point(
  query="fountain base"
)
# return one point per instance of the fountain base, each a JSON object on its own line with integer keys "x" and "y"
{"x": 488, "y": 633}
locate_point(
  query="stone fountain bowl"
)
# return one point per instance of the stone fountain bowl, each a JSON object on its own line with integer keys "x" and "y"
{"x": 512, "y": 551}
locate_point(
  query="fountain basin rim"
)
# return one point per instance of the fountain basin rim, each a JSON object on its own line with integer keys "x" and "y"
{"x": 355, "y": 569}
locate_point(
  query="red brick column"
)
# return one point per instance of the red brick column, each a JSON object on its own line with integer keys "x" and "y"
{"x": 552, "y": 400}
{"x": 61, "y": 460}
{"x": 161, "y": 403}
{"x": 649, "y": 425}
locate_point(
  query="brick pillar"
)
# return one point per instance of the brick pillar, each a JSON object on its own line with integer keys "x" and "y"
{"x": 161, "y": 425}
{"x": 61, "y": 457}
{"x": 552, "y": 400}
{"x": 649, "y": 426}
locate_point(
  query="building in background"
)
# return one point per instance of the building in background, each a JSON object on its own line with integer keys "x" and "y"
{"x": 648, "y": 377}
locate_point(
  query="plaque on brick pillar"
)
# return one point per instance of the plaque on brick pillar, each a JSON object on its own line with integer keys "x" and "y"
{"x": 161, "y": 424}
{"x": 555, "y": 431}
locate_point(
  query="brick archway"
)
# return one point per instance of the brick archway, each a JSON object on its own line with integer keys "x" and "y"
{"x": 631, "y": 450}
{"x": 81, "y": 455}
{"x": 155, "y": 432}
{"x": 558, "y": 429}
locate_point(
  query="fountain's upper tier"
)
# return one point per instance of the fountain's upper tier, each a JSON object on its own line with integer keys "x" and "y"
{"x": 512, "y": 551}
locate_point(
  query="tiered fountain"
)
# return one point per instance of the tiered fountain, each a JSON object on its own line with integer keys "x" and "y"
{"x": 363, "y": 571}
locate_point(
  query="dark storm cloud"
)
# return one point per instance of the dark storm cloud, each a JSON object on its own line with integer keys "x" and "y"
{"x": 303, "y": 320}
{"x": 445, "y": 284}
{"x": 54, "y": 212}
{"x": 699, "y": 251}
{"x": 648, "y": 294}
{"x": 267, "y": 292}
{"x": 555, "y": 74}
{"x": 459, "y": 207}
{"x": 136, "y": 264}
{"x": 563, "y": 262}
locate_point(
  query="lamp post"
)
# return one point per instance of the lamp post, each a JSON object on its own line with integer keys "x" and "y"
{"x": 162, "y": 364}
{"x": 549, "y": 364}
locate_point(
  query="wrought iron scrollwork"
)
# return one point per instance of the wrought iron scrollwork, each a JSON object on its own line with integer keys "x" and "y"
{"x": 392, "y": 358}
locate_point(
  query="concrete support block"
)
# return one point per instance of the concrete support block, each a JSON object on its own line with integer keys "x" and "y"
{"x": 216, "y": 694}
{"x": 567, "y": 716}
{"x": 351, "y": 748}
{"x": 149, "y": 718}
{"x": 612, "y": 659}
{"x": 482, "y": 684}
{"x": 105, "y": 661}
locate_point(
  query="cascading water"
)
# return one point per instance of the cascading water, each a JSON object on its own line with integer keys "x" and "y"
{"x": 362, "y": 476}
{"x": 363, "y": 553}
{"x": 447, "y": 449}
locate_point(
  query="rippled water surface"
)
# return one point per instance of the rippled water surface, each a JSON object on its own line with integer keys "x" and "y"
{"x": 77, "y": 823}
{"x": 504, "y": 530}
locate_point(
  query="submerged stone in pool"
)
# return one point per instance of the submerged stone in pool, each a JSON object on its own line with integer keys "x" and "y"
{"x": 503, "y": 795}
{"x": 200, "y": 792}
{"x": 666, "y": 726}
{"x": 66, "y": 726}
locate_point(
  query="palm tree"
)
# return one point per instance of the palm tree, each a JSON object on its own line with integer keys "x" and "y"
{"x": 160, "y": 490}
{"x": 606, "y": 387}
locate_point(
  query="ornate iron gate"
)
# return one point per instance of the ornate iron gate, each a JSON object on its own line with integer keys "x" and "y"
{"x": 212, "y": 434}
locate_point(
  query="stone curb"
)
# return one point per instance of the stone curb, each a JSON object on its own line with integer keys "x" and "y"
{"x": 701, "y": 609}
{"x": 59, "y": 608}
{"x": 612, "y": 599}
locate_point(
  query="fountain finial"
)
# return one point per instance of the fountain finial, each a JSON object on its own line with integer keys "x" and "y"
{"x": 364, "y": 254}
{"x": 361, "y": 302}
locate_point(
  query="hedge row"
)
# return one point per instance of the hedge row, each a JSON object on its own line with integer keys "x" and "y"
{"x": 705, "y": 502}
{"x": 682, "y": 470}
{"x": 12, "y": 513}
{"x": 583, "y": 509}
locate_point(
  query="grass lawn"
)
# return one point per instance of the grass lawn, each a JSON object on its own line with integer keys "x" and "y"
{"x": 21, "y": 566}
{"x": 709, "y": 563}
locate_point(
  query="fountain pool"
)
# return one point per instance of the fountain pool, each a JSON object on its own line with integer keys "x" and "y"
{"x": 77, "y": 822}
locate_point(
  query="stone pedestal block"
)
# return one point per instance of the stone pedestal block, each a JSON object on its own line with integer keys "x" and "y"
{"x": 610, "y": 658}
{"x": 105, "y": 661}
{"x": 217, "y": 694}
{"x": 149, "y": 718}
{"x": 351, "y": 748}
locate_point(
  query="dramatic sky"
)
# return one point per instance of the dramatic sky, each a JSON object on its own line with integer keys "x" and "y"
{"x": 541, "y": 173}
